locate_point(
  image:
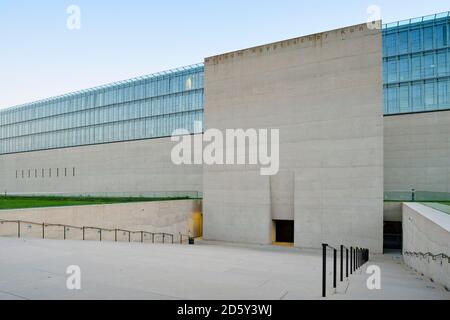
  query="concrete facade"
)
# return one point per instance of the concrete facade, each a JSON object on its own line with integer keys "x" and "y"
{"x": 324, "y": 93}
{"x": 173, "y": 217}
{"x": 427, "y": 230}
{"x": 393, "y": 211}
{"x": 137, "y": 167}
{"x": 417, "y": 152}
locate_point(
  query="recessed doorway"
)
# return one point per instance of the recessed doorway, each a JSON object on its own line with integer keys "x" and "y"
{"x": 284, "y": 231}
{"x": 392, "y": 236}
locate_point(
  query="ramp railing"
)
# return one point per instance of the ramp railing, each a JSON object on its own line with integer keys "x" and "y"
{"x": 358, "y": 257}
{"x": 440, "y": 256}
{"x": 43, "y": 228}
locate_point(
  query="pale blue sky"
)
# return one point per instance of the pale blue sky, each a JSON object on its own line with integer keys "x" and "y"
{"x": 40, "y": 57}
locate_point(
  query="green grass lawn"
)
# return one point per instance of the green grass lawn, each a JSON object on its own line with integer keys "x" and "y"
{"x": 11, "y": 202}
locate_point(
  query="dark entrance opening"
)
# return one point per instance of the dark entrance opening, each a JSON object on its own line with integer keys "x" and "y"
{"x": 284, "y": 231}
{"x": 393, "y": 235}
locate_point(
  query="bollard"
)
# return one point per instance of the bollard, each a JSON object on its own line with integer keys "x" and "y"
{"x": 83, "y": 233}
{"x": 334, "y": 268}
{"x": 342, "y": 263}
{"x": 351, "y": 260}
{"x": 64, "y": 232}
{"x": 129, "y": 236}
{"x": 115, "y": 235}
{"x": 43, "y": 230}
{"x": 163, "y": 237}
{"x": 324, "y": 269}
{"x": 359, "y": 258}
{"x": 142, "y": 236}
{"x": 100, "y": 232}
{"x": 346, "y": 262}
{"x": 18, "y": 229}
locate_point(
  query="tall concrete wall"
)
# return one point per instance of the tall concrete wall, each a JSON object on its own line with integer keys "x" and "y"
{"x": 172, "y": 217}
{"x": 427, "y": 230}
{"x": 136, "y": 167}
{"x": 417, "y": 152}
{"x": 324, "y": 93}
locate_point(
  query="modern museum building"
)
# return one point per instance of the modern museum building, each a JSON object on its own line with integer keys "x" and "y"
{"x": 362, "y": 113}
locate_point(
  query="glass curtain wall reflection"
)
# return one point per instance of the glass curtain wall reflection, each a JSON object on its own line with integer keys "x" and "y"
{"x": 416, "y": 64}
{"x": 147, "y": 107}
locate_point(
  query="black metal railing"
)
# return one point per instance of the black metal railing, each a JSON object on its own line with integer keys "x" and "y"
{"x": 441, "y": 256}
{"x": 355, "y": 258}
{"x": 163, "y": 236}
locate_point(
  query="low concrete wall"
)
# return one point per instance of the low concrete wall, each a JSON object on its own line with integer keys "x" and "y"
{"x": 427, "y": 230}
{"x": 172, "y": 217}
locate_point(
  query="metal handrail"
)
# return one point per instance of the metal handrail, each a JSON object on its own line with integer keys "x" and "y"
{"x": 84, "y": 228}
{"x": 358, "y": 257}
{"x": 441, "y": 256}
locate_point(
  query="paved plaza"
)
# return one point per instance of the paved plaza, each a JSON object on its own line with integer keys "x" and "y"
{"x": 36, "y": 269}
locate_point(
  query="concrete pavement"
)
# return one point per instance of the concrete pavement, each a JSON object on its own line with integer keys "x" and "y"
{"x": 36, "y": 269}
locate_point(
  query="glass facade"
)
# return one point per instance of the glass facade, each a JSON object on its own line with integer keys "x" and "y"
{"x": 416, "y": 64}
{"x": 148, "y": 107}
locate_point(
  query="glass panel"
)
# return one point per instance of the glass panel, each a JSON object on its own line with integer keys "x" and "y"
{"x": 416, "y": 97}
{"x": 391, "y": 44}
{"x": 443, "y": 93}
{"x": 441, "y": 35}
{"x": 416, "y": 40}
{"x": 392, "y": 70}
{"x": 430, "y": 95}
{"x": 404, "y": 98}
{"x": 392, "y": 100}
{"x": 404, "y": 69}
{"x": 428, "y": 38}
{"x": 403, "y": 42}
{"x": 428, "y": 65}
{"x": 442, "y": 63}
{"x": 416, "y": 67}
